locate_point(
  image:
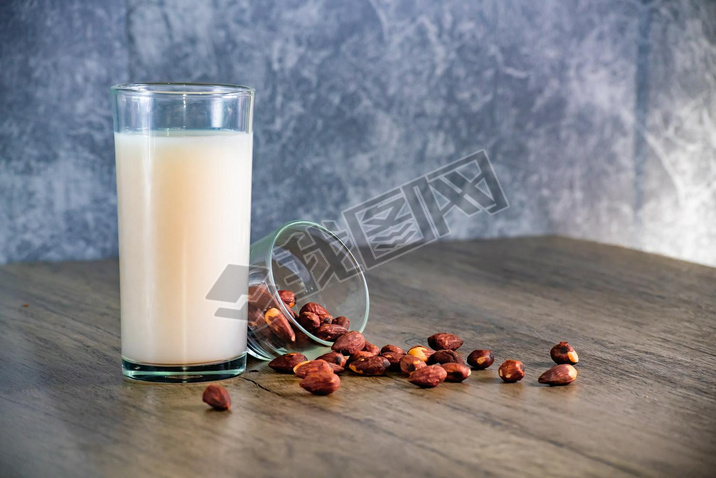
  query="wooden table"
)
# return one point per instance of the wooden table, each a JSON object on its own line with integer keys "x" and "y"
{"x": 644, "y": 402}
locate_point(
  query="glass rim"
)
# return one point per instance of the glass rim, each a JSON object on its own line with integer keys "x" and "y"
{"x": 223, "y": 90}
{"x": 272, "y": 284}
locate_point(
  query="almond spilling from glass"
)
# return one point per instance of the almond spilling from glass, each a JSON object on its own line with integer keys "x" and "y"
{"x": 330, "y": 332}
{"x": 287, "y": 297}
{"x": 279, "y": 325}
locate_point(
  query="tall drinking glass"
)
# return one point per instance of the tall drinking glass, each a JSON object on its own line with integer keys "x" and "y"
{"x": 183, "y": 154}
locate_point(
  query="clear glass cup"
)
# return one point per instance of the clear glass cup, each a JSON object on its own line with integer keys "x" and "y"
{"x": 183, "y": 154}
{"x": 317, "y": 266}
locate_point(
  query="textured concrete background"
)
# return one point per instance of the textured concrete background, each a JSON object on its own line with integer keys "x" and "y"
{"x": 599, "y": 117}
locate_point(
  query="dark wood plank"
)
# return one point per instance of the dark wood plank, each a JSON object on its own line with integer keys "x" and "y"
{"x": 644, "y": 402}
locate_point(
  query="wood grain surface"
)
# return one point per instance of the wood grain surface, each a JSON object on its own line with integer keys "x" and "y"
{"x": 644, "y": 402}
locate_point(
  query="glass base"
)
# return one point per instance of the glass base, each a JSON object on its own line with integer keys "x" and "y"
{"x": 184, "y": 373}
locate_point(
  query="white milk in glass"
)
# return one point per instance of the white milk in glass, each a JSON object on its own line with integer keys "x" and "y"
{"x": 184, "y": 205}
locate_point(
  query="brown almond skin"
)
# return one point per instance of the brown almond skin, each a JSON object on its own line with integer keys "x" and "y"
{"x": 410, "y": 363}
{"x": 392, "y": 348}
{"x": 428, "y": 377}
{"x": 370, "y": 366}
{"x": 564, "y": 353}
{"x": 562, "y": 374}
{"x": 330, "y": 332}
{"x": 374, "y": 349}
{"x": 445, "y": 356}
{"x": 260, "y": 296}
{"x": 302, "y": 340}
{"x": 279, "y": 325}
{"x": 334, "y": 358}
{"x": 511, "y": 371}
{"x": 394, "y": 359}
{"x": 343, "y": 321}
{"x": 255, "y": 316}
{"x": 444, "y": 341}
{"x": 287, "y": 297}
{"x": 217, "y": 397}
{"x": 312, "y": 366}
{"x": 361, "y": 354}
{"x": 349, "y": 343}
{"x": 309, "y": 321}
{"x": 481, "y": 359}
{"x": 456, "y": 372}
{"x": 321, "y": 383}
{"x": 423, "y": 353}
{"x": 285, "y": 363}
{"x": 315, "y": 308}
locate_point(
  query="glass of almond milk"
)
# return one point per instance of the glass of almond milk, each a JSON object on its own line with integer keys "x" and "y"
{"x": 183, "y": 155}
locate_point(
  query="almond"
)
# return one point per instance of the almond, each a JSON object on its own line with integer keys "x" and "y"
{"x": 330, "y": 332}
{"x": 410, "y": 363}
{"x": 445, "y": 356}
{"x": 343, "y": 321}
{"x": 315, "y": 308}
{"x": 371, "y": 348}
{"x": 217, "y": 396}
{"x": 287, "y": 297}
{"x": 349, "y": 343}
{"x": 423, "y": 353}
{"x": 370, "y": 366}
{"x": 511, "y": 371}
{"x": 359, "y": 355}
{"x": 564, "y": 353}
{"x": 456, "y": 372}
{"x": 428, "y": 377}
{"x": 481, "y": 359}
{"x": 309, "y": 321}
{"x": 333, "y": 357}
{"x": 392, "y": 348}
{"x": 285, "y": 363}
{"x": 279, "y": 325}
{"x": 394, "y": 359}
{"x": 321, "y": 383}
{"x": 311, "y": 366}
{"x": 562, "y": 374}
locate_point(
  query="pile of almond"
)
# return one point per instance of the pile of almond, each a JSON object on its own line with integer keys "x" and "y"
{"x": 426, "y": 367}
{"x": 266, "y": 320}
